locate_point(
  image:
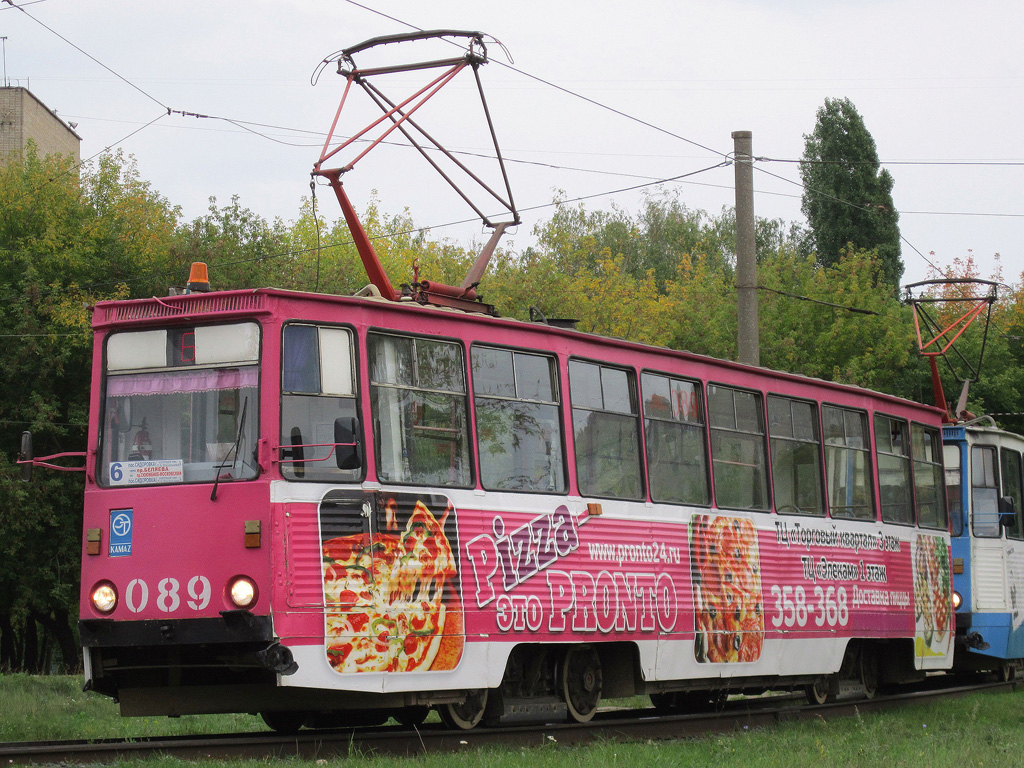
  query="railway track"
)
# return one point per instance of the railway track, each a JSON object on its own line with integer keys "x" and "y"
{"x": 615, "y": 724}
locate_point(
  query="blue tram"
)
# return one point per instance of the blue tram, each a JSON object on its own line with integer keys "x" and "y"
{"x": 984, "y": 482}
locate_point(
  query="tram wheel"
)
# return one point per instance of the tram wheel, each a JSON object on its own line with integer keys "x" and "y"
{"x": 664, "y": 702}
{"x": 467, "y": 714}
{"x": 869, "y": 672}
{"x": 284, "y": 722}
{"x": 412, "y": 716}
{"x": 581, "y": 682}
{"x": 823, "y": 691}
{"x": 1006, "y": 671}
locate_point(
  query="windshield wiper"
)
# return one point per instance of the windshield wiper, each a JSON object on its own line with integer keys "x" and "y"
{"x": 233, "y": 450}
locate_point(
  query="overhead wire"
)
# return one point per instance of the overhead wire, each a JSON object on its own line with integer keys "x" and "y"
{"x": 903, "y": 238}
{"x": 146, "y": 276}
{"x": 245, "y": 125}
{"x": 558, "y": 87}
{"x": 859, "y": 206}
{"x": 801, "y": 161}
{"x": 87, "y": 54}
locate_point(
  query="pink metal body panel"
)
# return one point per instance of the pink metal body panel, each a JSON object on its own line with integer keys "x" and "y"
{"x": 179, "y": 539}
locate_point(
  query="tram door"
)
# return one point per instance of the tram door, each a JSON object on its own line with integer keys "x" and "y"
{"x": 390, "y": 581}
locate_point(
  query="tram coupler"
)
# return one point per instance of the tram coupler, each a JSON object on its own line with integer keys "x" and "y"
{"x": 976, "y": 641}
{"x": 277, "y": 658}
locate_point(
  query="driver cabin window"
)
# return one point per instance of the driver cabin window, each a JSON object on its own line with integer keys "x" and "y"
{"x": 180, "y": 405}
{"x": 954, "y": 488}
{"x": 320, "y": 437}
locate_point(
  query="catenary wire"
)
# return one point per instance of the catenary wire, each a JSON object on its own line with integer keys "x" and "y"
{"x": 846, "y": 202}
{"x": 243, "y": 125}
{"x": 86, "y": 54}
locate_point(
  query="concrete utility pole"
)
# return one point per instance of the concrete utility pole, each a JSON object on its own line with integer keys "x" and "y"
{"x": 748, "y": 347}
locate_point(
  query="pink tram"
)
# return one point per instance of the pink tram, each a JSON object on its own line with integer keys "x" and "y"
{"x": 333, "y": 509}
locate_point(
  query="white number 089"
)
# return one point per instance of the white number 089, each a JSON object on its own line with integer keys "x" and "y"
{"x": 168, "y": 600}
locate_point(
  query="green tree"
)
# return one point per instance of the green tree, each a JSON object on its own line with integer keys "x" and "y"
{"x": 240, "y": 247}
{"x": 67, "y": 240}
{"x": 847, "y": 197}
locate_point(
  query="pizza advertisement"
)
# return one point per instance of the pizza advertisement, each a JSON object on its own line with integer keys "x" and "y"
{"x": 933, "y": 608}
{"x": 725, "y": 569}
{"x": 390, "y": 581}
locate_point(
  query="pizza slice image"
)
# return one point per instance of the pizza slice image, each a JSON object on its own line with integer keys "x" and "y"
{"x": 932, "y": 591}
{"x": 726, "y": 572}
{"x": 389, "y": 598}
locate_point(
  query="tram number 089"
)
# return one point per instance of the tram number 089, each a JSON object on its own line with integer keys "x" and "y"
{"x": 792, "y": 607}
{"x": 168, "y": 595}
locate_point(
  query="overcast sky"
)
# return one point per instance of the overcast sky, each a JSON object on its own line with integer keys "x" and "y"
{"x": 939, "y": 85}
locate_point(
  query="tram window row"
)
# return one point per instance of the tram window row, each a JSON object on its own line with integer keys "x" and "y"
{"x": 636, "y": 436}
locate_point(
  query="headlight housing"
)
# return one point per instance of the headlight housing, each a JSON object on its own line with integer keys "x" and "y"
{"x": 242, "y": 592}
{"x": 104, "y": 597}
{"x": 957, "y": 600}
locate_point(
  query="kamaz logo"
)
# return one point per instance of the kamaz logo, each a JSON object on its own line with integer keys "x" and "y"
{"x": 120, "y": 532}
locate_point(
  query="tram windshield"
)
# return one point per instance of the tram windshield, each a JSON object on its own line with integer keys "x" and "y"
{"x": 181, "y": 406}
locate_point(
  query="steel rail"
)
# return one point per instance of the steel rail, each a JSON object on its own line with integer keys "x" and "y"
{"x": 626, "y": 725}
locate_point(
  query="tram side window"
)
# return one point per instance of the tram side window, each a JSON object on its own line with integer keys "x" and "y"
{"x": 607, "y": 437}
{"x": 418, "y": 404}
{"x": 1010, "y": 464}
{"x": 737, "y": 448}
{"x": 796, "y": 456}
{"x": 518, "y": 426}
{"x": 926, "y": 449}
{"x": 954, "y": 488}
{"x": 892, "y": 448}
{"x": 984, "y": 492}
{"x": 847, "y": 463}
{"x": 318, "y": 404}
{"x": 676, "y": 446}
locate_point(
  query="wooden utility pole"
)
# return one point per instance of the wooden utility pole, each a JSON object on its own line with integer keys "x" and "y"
{"x": 748, "y": 347}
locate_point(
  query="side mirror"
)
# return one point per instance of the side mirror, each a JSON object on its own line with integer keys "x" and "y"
{"x": 26, "y": 456}
{"x": 1007, "y": 512}
{"x": 346, "y": 437}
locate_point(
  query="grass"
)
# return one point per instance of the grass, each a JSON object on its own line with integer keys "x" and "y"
{"x": 47, "y": 708}
{"x": 977, "y": 730}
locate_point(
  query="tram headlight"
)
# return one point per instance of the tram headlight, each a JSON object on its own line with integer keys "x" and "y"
{"x": 104, "y": 597}
{"x": 957, "y": 600}
{"x": 242, "y": 592}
